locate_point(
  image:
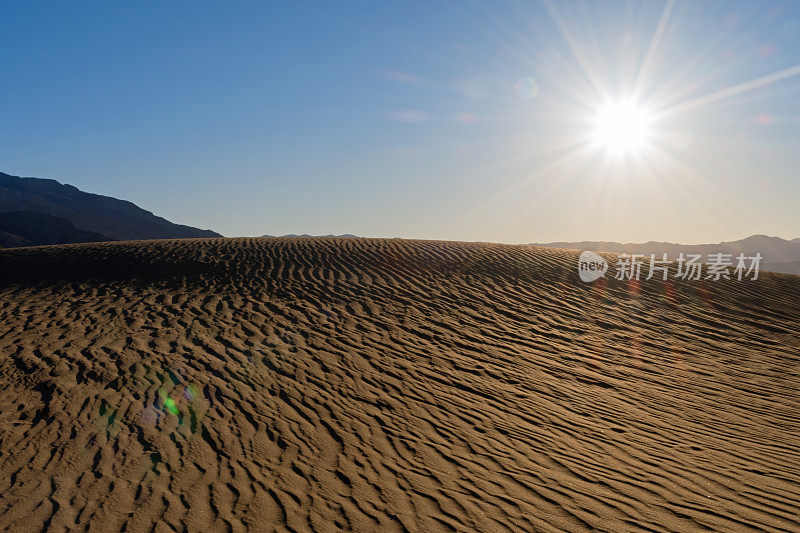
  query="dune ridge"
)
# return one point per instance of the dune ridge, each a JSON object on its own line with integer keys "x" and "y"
{"x": 317, "y": 384}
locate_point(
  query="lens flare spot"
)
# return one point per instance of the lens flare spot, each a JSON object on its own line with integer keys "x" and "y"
{"x": 526, "y": 88}
{"x": 170, "y": 406}
{"x": 763, "y": 119}
{"x": 190, "y": 392}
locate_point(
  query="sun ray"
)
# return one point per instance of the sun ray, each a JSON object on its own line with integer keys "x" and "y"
{"x": 547, "y": 172}
{"x": 731, "y": 91}
{"x": 651, "y": 51}
{"x": 593, "y": 78}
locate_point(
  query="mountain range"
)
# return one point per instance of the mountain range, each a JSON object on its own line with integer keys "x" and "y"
{"x": 779, "y": 255}
{"x": 28, "y": 228}
{"x": 290, "y": 235}
{"x": 44, "y": 211}
{"x": 36, "y": 211}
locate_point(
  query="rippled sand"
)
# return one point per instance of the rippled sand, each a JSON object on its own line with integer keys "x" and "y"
{"x": 389, "y": 385}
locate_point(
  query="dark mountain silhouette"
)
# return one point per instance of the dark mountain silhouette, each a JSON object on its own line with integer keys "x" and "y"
{"x": 26, "y": 228}
{"x": 116, "y": 219}
{"x": 9, "y": 240}
{"x": 779, "y": 254}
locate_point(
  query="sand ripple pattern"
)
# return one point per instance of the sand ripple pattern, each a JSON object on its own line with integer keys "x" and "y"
{"x": 389, "y": 385}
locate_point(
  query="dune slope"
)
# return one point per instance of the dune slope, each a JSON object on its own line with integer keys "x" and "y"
{"x": 389, "y": 385}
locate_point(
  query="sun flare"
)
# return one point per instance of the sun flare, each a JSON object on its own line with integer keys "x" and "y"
{"x": 622, "y": 128}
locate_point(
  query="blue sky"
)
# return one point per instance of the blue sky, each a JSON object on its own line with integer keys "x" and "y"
{"x": 412, "y": 119}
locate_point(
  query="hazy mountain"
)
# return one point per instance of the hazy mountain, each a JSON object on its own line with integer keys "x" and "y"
{"x": 116, "y": 219}
{"x": 343, "y": 236}
{"x": 779, "y": 254}
{"x": 26, "y": 228}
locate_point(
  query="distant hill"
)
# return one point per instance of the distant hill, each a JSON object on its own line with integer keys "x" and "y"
{"x": 343, "y": 236}
{"x": 116, "y": 219}
{"x": 26, "y": 228}
{"x": 779, "y": 254}
{"x": 9, "y": 240}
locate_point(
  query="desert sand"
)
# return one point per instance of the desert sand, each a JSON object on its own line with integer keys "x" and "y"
{"x": 389, "y": 385}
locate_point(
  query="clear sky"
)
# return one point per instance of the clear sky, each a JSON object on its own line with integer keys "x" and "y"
{"x": 451, "y": 120}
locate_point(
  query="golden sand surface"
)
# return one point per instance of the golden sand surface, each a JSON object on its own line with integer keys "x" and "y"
{"x": 317, "y": 384}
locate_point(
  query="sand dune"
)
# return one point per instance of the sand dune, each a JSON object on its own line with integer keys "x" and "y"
{"x": 389, "y": 385}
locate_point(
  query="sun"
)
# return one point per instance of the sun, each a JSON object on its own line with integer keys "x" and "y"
{"x": 622, "y": 128}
